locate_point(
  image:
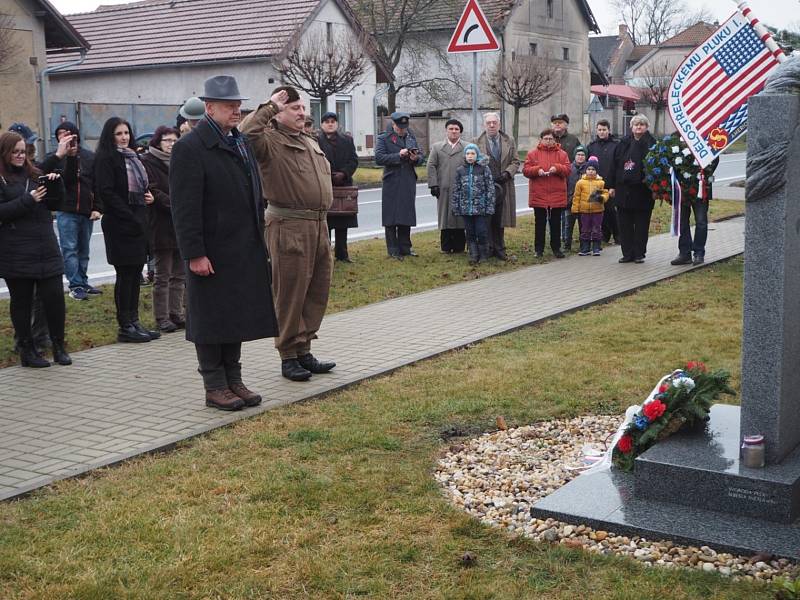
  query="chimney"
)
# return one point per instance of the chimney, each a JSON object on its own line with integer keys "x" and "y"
{"x": 623, "y": 30}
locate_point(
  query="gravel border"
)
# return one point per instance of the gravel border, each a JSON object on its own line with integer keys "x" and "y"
{"x": 498, "y": 476}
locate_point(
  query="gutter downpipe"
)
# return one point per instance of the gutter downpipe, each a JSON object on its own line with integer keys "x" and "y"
{"x": 43, "y": 81}
{"x": 502, "y": 70}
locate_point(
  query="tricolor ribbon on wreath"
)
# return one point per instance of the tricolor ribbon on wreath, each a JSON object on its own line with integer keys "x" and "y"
{"x": 675, "y": 224}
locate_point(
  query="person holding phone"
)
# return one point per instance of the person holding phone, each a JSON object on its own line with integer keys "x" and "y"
{"x": 398, "y": 153}
{"x": 29, "y": 253}
{"x": 120, "y": 183}
{"x": 78, "y": 211}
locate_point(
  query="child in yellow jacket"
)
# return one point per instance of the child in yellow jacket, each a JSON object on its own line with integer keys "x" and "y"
{"x": 589, "y": 202}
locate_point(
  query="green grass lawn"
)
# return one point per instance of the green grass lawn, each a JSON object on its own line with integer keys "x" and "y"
{"x": 334, "y": 498}
{"x": 371, "y": 278}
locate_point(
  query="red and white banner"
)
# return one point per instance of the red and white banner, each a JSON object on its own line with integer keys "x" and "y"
{"x": 709, "y": 91}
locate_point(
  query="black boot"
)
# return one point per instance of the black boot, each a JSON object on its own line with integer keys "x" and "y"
{"x": 127, "y": 332}
{"x": 153, "y": 335}
{"x": 483, "y": 252}
{"x": 681, "y": 259}
{"x": 308, "y": 362}
{"x": 29, "y": 357}
{"x": 584, "y": 248}
{"x": 474, "y": 256}
{"x": 291, "y": 369}
{"x": 60, "y": 354}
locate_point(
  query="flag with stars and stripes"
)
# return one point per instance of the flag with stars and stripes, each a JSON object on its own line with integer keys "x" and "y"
{"x": 709, "y": 91}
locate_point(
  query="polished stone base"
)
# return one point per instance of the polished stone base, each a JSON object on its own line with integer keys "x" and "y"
{"x": 703, "y": 469}
{"x": 613, "y": 500}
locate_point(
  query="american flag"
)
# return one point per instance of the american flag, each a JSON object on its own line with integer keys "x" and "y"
{"x": 722, "y": 83}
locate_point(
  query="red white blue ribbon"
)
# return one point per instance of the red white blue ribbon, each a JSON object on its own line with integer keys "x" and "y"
{"x": 675, "y": 224}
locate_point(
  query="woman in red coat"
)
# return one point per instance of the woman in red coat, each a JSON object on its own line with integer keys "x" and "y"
{"x": 547, "y": 166}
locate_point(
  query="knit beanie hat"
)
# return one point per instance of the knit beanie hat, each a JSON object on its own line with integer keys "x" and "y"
{"x": 581, "y": 149}
{"x": 475, "y": 149}
{"x": 593, "y": 162}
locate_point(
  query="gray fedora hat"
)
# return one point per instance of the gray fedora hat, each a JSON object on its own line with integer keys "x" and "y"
{"x": 193, "y": 109}
{"x": 222, "y": 87}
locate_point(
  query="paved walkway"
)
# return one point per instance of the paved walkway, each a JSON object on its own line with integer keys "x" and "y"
{"x": 121, "y": 400}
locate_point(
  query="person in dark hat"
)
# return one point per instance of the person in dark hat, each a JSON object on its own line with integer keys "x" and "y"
{"x": 79, "y": 209}
{"x": 444, "y": 159}
{"x": 568, "y": 142}
{"x": 341, "y": 154}
{"x": 398, "y": 153}
{"x": 298, "y": 191}
{"x": 218, "y": 212}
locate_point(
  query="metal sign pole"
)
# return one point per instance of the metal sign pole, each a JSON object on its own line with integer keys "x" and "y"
{"x": 474, "y": 94}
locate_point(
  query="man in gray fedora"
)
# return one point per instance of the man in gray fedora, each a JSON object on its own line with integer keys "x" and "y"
{"x": 218, "y": 211}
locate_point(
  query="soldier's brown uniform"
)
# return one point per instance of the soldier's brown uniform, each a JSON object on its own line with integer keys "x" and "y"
{"x": 296, "y": 179}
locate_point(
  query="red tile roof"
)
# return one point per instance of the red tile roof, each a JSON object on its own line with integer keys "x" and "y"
{"x": 161, "y": 32}
{"x": 639, "y": 52}
{"x": 691, "y": 37}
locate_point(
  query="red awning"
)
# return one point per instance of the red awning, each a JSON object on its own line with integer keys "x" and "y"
{"x": 625, "y": 92}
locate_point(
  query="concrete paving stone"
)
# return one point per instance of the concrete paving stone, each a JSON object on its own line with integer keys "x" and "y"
{"x": 7, "y": 481}
{"x": 21, "y": 475}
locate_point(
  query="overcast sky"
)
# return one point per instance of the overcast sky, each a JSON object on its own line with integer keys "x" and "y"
{"x": 779, "y": 13}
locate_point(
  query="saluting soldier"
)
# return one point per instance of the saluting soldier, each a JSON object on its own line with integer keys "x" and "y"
{"x": 296, "y": 178}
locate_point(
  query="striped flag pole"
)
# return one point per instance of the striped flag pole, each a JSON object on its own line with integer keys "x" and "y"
{"x": 762, "y": 32}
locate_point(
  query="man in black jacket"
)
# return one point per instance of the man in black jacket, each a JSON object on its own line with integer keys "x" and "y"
{"x": 603, "y": 148}
{"x": 218, "y": 212}
{"x": 78, "y": 212}
{"x": 341, "y": 154}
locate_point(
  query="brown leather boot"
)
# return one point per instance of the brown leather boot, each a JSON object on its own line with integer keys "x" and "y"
{"x": 223, "y": 400}
{"x": 249, "y": 398}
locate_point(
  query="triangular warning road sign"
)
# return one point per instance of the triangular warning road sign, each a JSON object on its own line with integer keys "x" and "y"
{"x": 473, "y": 33}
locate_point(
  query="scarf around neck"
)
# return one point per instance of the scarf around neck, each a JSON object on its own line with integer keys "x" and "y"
{"x": 137, "y": 177}
{"x": 159, "y": 154}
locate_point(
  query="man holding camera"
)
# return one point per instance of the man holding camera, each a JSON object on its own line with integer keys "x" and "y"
{"x": 398, "y": 153}
{"x": 78, "y": 212}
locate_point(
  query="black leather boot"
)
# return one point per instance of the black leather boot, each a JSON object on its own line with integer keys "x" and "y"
{"x": 30, "y": 357}
{"x": 308, "y": 362}
{"x": 60, "y": 354}
{"x": 153, "y": 335}
{"x": 292, "y": 369}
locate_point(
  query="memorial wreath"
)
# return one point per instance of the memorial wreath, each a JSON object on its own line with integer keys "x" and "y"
{"x": 681, "y": 400}
{"x": 670, "y": 154}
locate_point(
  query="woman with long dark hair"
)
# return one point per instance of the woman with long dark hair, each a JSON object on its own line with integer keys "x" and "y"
{"x": 29, "y": 253}
{"x": 169, "y": 285}
{"x": 121, "y": 188}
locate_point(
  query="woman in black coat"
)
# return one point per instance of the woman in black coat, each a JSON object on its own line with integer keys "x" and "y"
{"x": 29, "y": 253}
{"x": 121, "y": 189}
{"x": 169, "y": 285}
{"x": 633, "y": 198}
{"x": 341, "y": 153}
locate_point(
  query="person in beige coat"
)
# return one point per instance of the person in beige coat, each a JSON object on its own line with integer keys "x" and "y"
{"x": 504, "y": 164}
{"x": 296, "y": 180}
{"x": 444, "y": 158}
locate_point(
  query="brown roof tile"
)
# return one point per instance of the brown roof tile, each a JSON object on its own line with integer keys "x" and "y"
{"x": 639, "y": 52}
{"x": 160, "y": 32}
{"x": 691, "y": 37}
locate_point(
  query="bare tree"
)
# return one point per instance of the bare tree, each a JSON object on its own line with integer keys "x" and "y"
{"x": 399, "y": 27}
{"x": 650, "y": 22}
{"x": 9, "y": 46}
{"x": 323, "y": 67}
{"x": 654, "y": 84}
{"x": 523, "y": 82}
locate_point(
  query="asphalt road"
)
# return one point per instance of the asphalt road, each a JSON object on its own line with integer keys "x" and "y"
{"x": 731, "y": 167}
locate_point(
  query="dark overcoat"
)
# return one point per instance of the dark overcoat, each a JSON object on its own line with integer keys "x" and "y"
{"x": 342, "y": 156}
{"x": 124, "y": 225}
{"x": 218, "y": 212}
{"x": 399, "y": 193}
{"x": 28, "y": 245}
{"x": 159, "y": 213}
{"x": 627, "y": 177}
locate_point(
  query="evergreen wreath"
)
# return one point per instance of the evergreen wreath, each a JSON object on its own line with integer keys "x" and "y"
{"x": 682, "y": 401}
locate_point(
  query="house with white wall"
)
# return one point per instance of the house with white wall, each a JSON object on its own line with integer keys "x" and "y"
{"x": 148, "y": 57}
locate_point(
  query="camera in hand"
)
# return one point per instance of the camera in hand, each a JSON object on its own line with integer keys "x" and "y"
{"x": 42, "y": 180}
